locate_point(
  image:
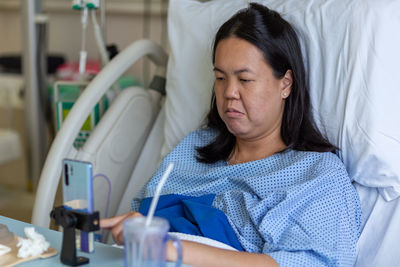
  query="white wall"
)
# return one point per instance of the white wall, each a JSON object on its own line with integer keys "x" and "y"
{"x": 10, "y": 31}
{"x": 124, "y": 25}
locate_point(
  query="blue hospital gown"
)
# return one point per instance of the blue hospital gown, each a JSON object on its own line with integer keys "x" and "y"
{"x": 298, "y": 207}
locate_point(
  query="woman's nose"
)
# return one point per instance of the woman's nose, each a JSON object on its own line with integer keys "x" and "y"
{"x": 231, "y": 90}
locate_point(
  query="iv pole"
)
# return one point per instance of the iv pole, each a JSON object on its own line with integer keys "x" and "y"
{"x": 34, "y": 120}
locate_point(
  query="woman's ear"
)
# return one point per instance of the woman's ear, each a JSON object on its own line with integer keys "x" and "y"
{"x": 286, "y": 82}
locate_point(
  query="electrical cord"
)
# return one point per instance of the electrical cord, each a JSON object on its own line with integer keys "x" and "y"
{"x": 99, "y": 238}
{"x": 103, "y": 54}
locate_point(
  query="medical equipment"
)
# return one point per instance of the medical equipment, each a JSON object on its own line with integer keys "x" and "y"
{"x": 346, "y": 79}
{"x": 65, "y": 95}
{"x": 86, "y": 6}
{"x": 80, "y": 4}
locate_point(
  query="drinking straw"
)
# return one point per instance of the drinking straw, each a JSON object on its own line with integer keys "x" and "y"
{"x": 154, "y": 201}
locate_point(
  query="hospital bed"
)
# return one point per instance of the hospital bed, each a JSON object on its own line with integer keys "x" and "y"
{"x": 351, "y": 54}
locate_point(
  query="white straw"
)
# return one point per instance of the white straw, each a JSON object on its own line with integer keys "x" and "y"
{"x": 154, "y": 201}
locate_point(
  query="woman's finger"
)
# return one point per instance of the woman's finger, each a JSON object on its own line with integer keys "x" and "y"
{"x": 115, "y": 225}
{"x": 117, "y": 233}
{"x": 108, "y": 223}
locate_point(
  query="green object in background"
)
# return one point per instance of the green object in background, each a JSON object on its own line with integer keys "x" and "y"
{"x": 127, "y": 81}
{"x": 65, "y": 94}
{"x": 123, "y": 82}
{"x": 87, "y": 125}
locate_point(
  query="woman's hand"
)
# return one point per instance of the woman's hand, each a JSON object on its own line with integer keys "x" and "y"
{"x": 114, "y": 224}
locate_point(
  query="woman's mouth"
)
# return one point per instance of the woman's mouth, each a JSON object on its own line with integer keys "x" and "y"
{"x": 233, "y": 113}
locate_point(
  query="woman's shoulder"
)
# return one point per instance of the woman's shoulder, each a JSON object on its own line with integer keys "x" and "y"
{"x": 322, "y": 159}
{"x": 323, "y": 171}
{"x": 318, "y": 166}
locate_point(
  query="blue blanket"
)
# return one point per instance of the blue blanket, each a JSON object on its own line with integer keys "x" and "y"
{"x": 195, "y": 216}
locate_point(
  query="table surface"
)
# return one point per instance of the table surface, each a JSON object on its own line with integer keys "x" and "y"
{"x": 104, "y": 255}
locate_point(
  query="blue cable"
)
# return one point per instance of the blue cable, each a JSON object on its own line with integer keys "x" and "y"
{"x": 97, "y": 236}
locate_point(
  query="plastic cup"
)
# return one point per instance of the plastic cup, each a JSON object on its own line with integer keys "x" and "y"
{"x": 145, "y": 246}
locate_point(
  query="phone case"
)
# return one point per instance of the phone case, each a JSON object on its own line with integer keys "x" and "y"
{"x": 78, "y": 195}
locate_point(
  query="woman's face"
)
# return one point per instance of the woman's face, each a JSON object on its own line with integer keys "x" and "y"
{"x": 250, "y": 99}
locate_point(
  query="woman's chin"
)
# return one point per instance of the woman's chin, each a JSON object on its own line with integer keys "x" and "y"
{"x": 237, "y": 131}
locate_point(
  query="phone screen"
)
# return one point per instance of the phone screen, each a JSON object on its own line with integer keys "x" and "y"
{"x": 78, "y": 195}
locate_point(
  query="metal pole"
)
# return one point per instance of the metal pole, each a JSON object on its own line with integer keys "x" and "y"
{"x": 34, "y": 121}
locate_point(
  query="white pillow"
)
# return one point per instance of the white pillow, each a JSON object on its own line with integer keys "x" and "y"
{"x": 352, "y": 53}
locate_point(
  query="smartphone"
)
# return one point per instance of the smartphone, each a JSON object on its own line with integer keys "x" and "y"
{"x": 78, "y": 195}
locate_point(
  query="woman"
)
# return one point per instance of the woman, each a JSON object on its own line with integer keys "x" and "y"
{"x": 260, "y": 166}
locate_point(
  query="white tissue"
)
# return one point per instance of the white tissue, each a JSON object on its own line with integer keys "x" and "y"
{"x": 4, "y": 249}
{"x": 34, "y": 245}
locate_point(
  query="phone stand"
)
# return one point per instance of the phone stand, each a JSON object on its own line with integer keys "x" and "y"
{"x": 71, "y": 220}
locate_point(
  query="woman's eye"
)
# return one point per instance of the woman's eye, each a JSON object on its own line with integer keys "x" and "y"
{"x": 219, "y": 78}
{"x": 245, "y": 80}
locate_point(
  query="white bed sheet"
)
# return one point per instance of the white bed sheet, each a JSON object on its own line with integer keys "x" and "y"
{"x": 380, "y": 238}
{"x": 202, "y": 240}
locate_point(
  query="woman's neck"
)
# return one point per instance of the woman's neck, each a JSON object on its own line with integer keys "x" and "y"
{"x": 251, "y": 150}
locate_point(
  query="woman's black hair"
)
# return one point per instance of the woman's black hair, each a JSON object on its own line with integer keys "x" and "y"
{"x": 275, "y": 37}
